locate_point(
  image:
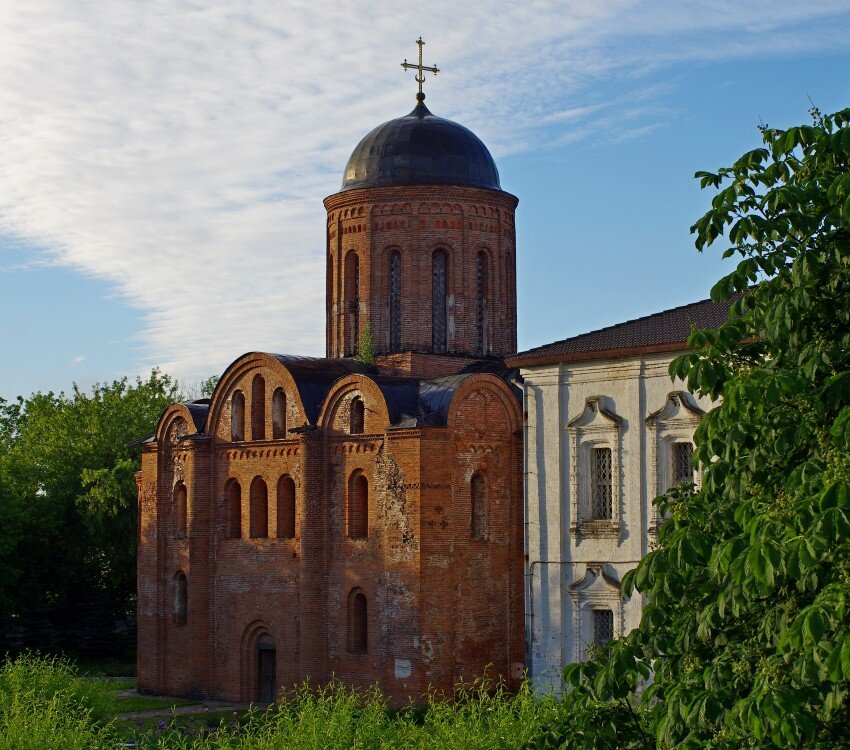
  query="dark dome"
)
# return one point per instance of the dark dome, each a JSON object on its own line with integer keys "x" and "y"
{"x": 420, "y": 149}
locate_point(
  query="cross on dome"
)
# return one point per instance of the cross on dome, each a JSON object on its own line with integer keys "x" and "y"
{"x": 420, "y": 68}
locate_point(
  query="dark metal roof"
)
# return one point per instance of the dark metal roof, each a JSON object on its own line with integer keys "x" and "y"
{"x": 199, "y": 408}
{"x": 314, "y": 376}
{"x": 420, "y": 149}
{"x": 668, "y": 328}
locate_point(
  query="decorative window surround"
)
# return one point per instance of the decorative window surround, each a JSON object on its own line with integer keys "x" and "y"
{"x": 675, "y": 422}
{"x": 596, "y": 427}
{"x": 596, "y": 590}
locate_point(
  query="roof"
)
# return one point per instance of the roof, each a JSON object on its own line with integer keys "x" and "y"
{"x": 314, "y": 376}
{"x": 664, "y": 331}
{"x": 420, "y": 149}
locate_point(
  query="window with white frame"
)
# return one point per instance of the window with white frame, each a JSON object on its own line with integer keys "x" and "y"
{"x": 671, "y": 429}
{"x": 597, "y": 606}
{"x": 595, "y": 470}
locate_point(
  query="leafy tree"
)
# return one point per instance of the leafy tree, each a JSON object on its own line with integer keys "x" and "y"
{"x": 68, "y": 498}
{"x": 747, "y": 617}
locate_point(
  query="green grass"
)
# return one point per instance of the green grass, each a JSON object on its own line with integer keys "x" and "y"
{"x": 135, "y": 703}
{"x": 46, "y": 705}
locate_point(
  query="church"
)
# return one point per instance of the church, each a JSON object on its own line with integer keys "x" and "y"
{"x": 360, "y": 515}
{"x": 424, "y": 504}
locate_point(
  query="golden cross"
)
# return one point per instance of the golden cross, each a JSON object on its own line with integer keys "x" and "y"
{"x": 420, "y": 77}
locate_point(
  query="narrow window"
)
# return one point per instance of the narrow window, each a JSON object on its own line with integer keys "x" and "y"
{"x": 234, "y": 509}
{"x": 259, "y": 522}
{"x": 237, "y": 417}
{"x": 603, "y": 626}
{"x": 683, "y": 464}
{"x": 352, "y": 301}
{"x": 181, "y": 599}
{"x": 600, "y": 484}
{"x": 181, "y": 510}
{"x": 481, "y": 303}
{"x": 356, "y": 416}
{"x": 279, "y": 414}
{"x": 357, "y": 634}
{"x": 479, "y": 507}
{"x": 395, "y": 301}
{"x": 439, "y": 317}
{"x": 258, "y": 408}
{"x": 285, "y": 507}
{"x": 358, "y": 506}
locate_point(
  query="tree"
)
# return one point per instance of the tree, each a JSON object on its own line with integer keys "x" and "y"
{"x": 68, "y": 498}
{"x": 747, "y": 618}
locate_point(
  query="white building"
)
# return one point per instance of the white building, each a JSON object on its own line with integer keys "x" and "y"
{"x": 606, "y": 432}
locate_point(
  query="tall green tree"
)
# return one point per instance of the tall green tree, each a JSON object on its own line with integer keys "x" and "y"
{"x": 746, "y": 624}
{"x": 68, "y": 502}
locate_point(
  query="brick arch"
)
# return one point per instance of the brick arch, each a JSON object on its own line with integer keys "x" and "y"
{"x": 251, "y": 636}
{"x": 235, "y": 378}
{"x": 169, "y": 417}
{"x": 350, "y": 385}
{"x": 492, "y": 385}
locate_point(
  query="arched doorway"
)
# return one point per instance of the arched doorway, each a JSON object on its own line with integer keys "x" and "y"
{"x": 266, "y": 656}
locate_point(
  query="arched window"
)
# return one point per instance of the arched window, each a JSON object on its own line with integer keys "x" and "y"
{"x": 181, "y": 510}
{"x": 395, "y": 301}
{"x": 358, "y": 505}
{"x": 259, "y": 503}
{"x": 357, "y": 416}
{"x": 600, "y": 484}
{"x": 352, "y": 301}
{"x": 285, "y": 507}
{"x": 357, "y": 635}
{"x": 233, "y": 493}
{"x": 478, "y": 491}
{"x": 439, "y": 317}
{"x": 237, "y": 416}
{"x": 481, "y": 302}
{"x": 181, "y": 599}
{"x": 603, "y": 626}
{"x": 279, "y": 414}
{"x": 258, "y": 408}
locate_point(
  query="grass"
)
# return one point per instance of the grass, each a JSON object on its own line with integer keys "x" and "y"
{"x": 136, "y": 703}
{"x": 45, "y": 704}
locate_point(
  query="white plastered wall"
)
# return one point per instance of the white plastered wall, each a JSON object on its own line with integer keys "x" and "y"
{"x": 568, "y": 570}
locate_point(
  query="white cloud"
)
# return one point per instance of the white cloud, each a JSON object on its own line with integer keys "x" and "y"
{"x": 181, "y": 150}
{"x": 78, "y": 360}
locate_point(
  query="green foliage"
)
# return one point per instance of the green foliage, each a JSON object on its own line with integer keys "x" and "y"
{"x": 45, "y": 705}
{"x": 747, "y": 615}
{"x": 365, "y": 348}
{"x": 68, "y": 499}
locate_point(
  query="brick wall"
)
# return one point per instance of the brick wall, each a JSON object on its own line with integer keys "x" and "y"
{"x": 415, "y": 221}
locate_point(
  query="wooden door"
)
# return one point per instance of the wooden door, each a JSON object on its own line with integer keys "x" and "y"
{"x": 266, "y": 678}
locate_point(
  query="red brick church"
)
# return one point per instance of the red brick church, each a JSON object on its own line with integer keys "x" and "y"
{"x": 342, "y": 517}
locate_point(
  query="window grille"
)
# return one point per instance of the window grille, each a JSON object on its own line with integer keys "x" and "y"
{"x": 600, "y": 484}
{"x": 683, "y": 468}
{"x": 395, "y": 302}
{"x": 438, "y": 302}
{"x": 603, "y": 626}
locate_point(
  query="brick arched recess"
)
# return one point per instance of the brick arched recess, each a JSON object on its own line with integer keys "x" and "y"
{"x": 251, "y": 636}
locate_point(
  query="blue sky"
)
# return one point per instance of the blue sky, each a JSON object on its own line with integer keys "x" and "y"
{"x": 164, "y": 165}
